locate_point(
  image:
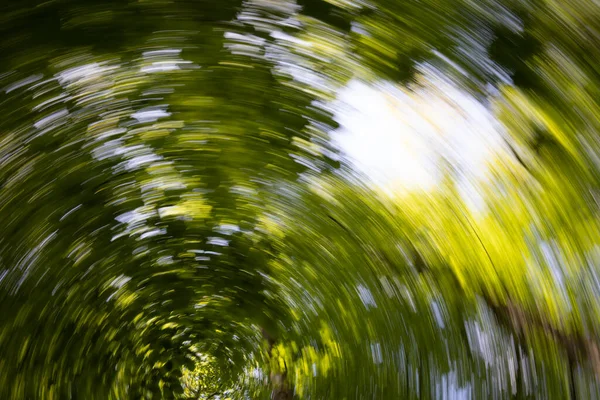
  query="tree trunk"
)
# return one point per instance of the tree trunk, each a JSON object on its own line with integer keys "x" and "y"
{"x": 282, "y": 390}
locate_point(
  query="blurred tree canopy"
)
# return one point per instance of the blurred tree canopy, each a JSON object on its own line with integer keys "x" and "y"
{"x": 177, "y": 224}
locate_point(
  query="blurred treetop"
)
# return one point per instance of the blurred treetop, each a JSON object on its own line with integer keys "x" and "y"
{"x": 173, "y": 210}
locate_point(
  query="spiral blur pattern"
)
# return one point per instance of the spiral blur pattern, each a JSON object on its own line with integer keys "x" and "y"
{"x": 177, "y": 221}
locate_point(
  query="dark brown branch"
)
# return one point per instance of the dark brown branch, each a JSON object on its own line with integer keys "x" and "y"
{"x": 518, "y": 320}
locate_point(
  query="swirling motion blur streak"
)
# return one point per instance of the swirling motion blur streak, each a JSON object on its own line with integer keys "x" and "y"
{"x": 177, "y": 221}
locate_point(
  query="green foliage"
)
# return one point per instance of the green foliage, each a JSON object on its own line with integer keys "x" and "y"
{"x": 169, "y": 190}
{"x": 202, "y": 379}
